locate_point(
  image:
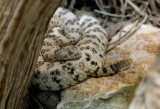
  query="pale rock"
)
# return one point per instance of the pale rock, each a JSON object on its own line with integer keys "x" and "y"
{"x": 115, "y": 92}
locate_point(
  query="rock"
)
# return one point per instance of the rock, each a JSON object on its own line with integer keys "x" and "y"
{"x": 114, "y": 92}
{"x": 48, "y": 99}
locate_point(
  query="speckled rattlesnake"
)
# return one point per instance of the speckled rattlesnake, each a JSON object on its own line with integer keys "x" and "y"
{"x": 73, "y": 50}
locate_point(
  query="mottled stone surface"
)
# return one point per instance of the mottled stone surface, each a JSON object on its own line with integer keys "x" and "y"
{"x": 114, "y": 92}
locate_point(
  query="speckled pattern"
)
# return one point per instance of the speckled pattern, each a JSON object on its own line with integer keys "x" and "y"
{"x": 73, "y": 50}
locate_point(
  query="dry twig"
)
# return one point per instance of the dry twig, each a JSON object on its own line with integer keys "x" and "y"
{"x": 127, "y": 35}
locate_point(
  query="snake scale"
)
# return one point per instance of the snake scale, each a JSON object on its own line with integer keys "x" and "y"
{"x": 73, "y": 50}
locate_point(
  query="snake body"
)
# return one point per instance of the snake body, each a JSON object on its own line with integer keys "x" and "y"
{"x": 73, "y": 50}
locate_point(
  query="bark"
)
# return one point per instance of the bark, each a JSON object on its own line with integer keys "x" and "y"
{"x": 22, "y": 27}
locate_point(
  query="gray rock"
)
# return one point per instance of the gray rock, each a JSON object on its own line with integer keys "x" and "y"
{"x": 48, "y": 99}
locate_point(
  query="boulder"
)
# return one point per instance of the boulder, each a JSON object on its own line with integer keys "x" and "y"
{"x": 115, "y": 92}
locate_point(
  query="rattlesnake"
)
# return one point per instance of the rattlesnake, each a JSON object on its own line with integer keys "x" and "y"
{"x": 73, "y": 50}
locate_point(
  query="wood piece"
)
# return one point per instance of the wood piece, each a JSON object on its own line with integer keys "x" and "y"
{"x": 22, "y": 27}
